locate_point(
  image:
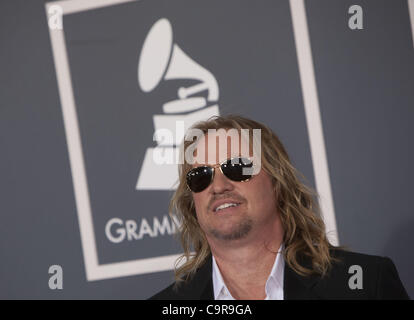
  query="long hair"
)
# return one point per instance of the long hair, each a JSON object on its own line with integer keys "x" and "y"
{"x": 304, "y": 230}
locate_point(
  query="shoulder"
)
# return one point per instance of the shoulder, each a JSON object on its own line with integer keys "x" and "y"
{"x": 346, "y": 263}
{"x": 198, "y": 286}
{"x": 374, "y": 265}
{"x": 357, "y": 275}
{"x": 346, "y": 257}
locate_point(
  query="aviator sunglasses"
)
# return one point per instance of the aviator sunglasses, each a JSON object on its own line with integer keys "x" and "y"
{"x": 200, "y": 178}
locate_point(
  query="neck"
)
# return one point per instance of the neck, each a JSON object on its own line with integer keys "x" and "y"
{"x": 245, "y": 264}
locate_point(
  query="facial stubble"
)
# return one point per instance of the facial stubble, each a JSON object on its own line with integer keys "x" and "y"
{"x": 240, "y": 230}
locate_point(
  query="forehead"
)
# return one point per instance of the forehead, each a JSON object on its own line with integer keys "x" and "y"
{"x": 216, "y": 146}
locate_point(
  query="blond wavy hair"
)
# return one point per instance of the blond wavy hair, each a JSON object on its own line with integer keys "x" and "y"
{"x": 304, "y": 230}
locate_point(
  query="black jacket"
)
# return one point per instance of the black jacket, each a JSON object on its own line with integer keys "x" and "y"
{"x": 380, "y": 280}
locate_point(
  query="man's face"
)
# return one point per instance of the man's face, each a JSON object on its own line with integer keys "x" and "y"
{"x": 254, "y": 200}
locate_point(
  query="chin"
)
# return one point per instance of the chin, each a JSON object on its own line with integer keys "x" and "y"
{"x": 233, "y": 234}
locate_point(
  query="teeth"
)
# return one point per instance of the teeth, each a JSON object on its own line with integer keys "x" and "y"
{"x": 226, "y": 205}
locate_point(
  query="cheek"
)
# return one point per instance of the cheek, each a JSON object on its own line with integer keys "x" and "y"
{"x": 263, "y": 196}
{"x": 199, "y": 203}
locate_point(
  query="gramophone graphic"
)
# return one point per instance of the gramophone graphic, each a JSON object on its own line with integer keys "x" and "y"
{"x": 161, "y": 59}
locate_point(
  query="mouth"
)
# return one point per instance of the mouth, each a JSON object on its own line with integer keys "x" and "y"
{"x": 226, "y": 206}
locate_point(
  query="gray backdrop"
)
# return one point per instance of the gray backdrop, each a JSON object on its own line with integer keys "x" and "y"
{"x": 365, "y": 81}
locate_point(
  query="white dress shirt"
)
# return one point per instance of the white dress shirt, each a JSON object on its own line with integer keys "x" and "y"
{"x": 274, "y": 283}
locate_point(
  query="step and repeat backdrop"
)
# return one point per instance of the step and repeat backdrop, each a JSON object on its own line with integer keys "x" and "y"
{"x": 85, "y": 84}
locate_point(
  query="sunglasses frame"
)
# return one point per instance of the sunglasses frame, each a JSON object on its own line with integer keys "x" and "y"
{"x": 219, "y": 165}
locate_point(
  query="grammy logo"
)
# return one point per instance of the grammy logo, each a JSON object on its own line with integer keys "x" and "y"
{"x": 161, "y": 59}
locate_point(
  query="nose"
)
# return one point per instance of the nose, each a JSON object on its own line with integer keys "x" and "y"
{"x": 220, "y": 183}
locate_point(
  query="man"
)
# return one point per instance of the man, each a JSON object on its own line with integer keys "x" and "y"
{"x": 250, "y": 229}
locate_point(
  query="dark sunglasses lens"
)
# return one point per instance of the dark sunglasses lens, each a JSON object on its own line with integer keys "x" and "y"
{"x": 199, "y": 178}
{"x": 233, "y": 169}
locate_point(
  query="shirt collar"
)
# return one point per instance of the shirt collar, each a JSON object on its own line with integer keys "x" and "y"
{"x": 218, "y": 282}
{"x": 274, "y": 280}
